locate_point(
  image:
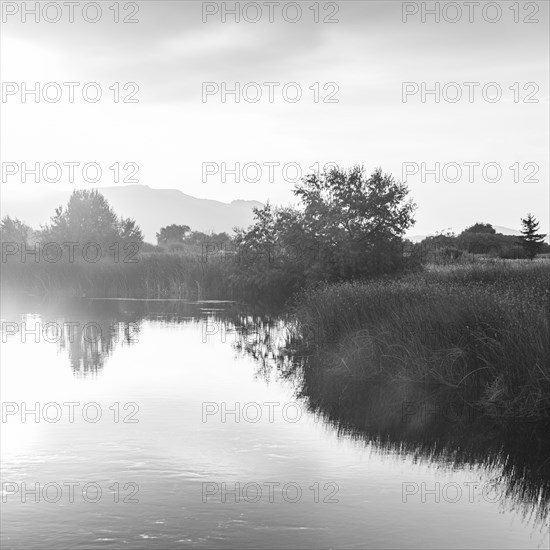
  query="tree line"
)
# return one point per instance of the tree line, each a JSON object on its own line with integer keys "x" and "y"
{"x": 347, "y": 225}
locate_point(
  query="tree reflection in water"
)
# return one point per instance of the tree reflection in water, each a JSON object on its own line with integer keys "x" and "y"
{"x": 435, "y": 425}
{"x": 89, "y": 344}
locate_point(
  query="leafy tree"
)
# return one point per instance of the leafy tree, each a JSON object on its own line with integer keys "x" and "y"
{"x": 531, "y": 240}
{"x": 481, "y": 228}
{"x": 14, "y": 230}
{"x": 347, "y": 225}
{"x": 262, "y": 233}
{"x": 172, "y": 234}
{"x": 480, "y": 238}
{"x": 360, "y": 218}
{"x": 198, "y": 238}
{"x": 88, "y": 217}
{"x": 272, "y": 253}
{"x": 129, "y": 231}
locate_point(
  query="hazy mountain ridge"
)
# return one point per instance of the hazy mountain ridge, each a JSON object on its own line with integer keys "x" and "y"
{"x": 151, "y": 208}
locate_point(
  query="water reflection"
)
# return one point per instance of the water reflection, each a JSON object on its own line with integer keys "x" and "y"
{"x": 439, "y": 426}
{"x": 87, "y": 331}
{"x": 425, "y": 424}
{"x": 90, "y": 344}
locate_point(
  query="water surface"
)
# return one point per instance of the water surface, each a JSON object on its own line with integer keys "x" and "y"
{"x": 354, "y": 454}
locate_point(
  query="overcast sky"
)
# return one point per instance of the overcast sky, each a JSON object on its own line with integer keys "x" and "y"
{"x": 368, "y": 54}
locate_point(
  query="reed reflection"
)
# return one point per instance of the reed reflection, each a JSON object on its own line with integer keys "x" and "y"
{"x": 427, "y": 424}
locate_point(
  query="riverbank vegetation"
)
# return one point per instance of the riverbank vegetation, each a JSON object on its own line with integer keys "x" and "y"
{"x": 482, "y": 327}
{"x": 348, "y": 225}
{"x": 453, "y": 310}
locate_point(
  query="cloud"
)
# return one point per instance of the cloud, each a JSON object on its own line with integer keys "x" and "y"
{"x": 368, "y": 54}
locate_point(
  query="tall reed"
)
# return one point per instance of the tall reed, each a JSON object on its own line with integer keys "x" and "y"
{"x": 485, "y": 327}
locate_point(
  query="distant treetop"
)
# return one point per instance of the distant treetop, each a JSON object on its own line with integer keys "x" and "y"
{"x": 481, "y": 228}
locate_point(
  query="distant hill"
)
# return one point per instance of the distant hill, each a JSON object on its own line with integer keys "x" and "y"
{"x": 151, "y": 208}
{"x": 506, "y": 230}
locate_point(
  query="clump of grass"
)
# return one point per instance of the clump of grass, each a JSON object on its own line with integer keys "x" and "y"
{"x": 484, "y": 327}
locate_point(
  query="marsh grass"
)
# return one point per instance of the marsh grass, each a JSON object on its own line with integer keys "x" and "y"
{"x": 482, "y": 327}
{"x": 151, "y": 276}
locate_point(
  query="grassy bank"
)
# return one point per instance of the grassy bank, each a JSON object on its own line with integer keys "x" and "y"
{"x": 198, "y": 273}
{"x": 482, "y": 327}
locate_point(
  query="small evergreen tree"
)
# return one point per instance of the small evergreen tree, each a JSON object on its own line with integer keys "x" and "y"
{"x": 530, "y": 239}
